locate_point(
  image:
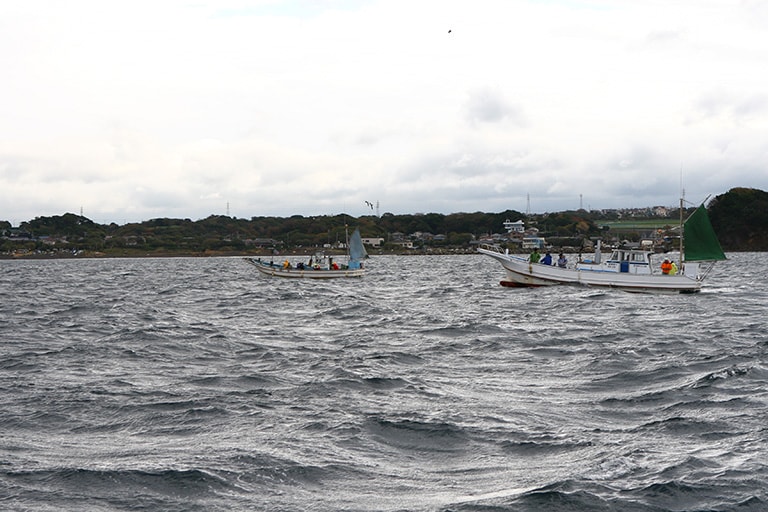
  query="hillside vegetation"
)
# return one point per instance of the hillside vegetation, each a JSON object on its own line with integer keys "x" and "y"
{"x": 739, "y": 217}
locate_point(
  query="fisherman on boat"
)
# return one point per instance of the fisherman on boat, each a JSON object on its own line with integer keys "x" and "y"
{"x": 666, "y": 266}
{"x": 547, "y": 259}
{"x": 535, "y": 256}
{"x": 562, "y": 261}
{"x": 673, "y": 269}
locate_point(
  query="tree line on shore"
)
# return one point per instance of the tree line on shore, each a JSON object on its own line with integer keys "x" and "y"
{"x": 739, "y": 217}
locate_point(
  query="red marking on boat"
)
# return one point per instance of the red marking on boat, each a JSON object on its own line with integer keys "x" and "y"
{"x": 513, "y": 284}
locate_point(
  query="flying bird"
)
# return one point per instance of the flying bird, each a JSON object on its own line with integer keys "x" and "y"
{"x": 369, "y": 204}
{"x": 449, "y": 31}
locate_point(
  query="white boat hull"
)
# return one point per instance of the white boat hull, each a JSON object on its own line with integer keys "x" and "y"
{"x": 294, "y": 273}
{"x": 520, "y": 272}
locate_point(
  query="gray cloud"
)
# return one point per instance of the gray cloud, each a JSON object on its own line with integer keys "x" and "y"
{"x": 489, "y": 106}
{"x": 731, "y": 106}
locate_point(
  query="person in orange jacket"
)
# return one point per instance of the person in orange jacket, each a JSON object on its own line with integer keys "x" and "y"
{"x": 666, "y": 266}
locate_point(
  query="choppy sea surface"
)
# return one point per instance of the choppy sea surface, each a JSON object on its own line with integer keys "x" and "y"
{"x": 188, "y": 384}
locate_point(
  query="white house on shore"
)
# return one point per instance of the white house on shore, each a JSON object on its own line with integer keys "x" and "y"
{"x": 373, "y": 242}
{"x": 514, "y": 227}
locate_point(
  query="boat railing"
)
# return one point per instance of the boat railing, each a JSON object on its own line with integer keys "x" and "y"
{"x": 493, "y": 248}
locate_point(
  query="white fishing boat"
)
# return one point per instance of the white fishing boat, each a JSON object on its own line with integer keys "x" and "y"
{"x": 626, "y": 269}
{"x": 320, "y": 266}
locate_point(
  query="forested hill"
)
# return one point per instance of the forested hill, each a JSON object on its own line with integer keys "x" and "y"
{"x": 740, "y": 219}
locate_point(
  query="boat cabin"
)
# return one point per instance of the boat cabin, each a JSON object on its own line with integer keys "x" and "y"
{"x": 632, "y": 261}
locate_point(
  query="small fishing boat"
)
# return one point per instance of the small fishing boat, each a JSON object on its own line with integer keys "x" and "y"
{"x": 320, "y": 266}
{"x": 626, "y": 269}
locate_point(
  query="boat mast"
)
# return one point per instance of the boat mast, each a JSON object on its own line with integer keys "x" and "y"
{"x": 681, "y": 231}
{"x": 346, "y": 235}
{"x": 682, "y": 198}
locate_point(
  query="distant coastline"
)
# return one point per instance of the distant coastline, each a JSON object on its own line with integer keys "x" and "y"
{"x": 739, "y": 218}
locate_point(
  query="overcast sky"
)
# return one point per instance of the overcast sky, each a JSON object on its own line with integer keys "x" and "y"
{"x": 133, "y": 110}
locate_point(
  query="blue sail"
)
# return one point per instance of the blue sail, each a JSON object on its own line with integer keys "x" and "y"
{"x": 357, "y": 252}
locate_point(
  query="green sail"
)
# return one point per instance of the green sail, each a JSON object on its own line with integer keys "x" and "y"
{"x": 701, "y": 243}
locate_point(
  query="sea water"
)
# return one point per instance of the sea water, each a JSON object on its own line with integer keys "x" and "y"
{"x": 186, "y": 384}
